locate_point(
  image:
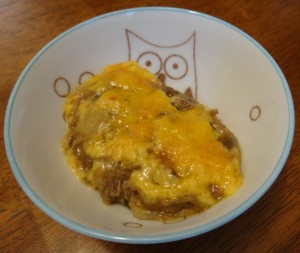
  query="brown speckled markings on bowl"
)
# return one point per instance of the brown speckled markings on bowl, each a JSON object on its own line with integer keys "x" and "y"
{"x": 84, "y": 76}
{"x": 61, "y": 81}
{"x": 132, "y": 224}
{"x": 255, "y": 113}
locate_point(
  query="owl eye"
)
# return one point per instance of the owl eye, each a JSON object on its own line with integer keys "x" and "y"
{"x": 175, "y": 66}
{"x": 151, "y": 61}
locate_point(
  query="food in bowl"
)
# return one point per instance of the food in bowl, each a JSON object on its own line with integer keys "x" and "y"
{"x": 147, "y": 146}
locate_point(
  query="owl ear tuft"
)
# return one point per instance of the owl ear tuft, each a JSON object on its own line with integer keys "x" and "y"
{"x": 130, "y": 36}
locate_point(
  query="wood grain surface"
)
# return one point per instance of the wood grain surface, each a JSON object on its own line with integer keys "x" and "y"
{"x": 271, "y": 225}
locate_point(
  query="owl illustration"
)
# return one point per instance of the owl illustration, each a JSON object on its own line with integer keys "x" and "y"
{"x": 173, "y": 64}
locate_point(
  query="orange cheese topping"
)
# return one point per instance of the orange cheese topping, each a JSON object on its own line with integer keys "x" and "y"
{"x": 130, "y": 120}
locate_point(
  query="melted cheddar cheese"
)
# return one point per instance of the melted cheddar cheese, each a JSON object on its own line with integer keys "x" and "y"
{"x": 126, "y": 139}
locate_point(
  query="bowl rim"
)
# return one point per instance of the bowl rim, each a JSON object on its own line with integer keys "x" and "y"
{"x": 150, "y": 239}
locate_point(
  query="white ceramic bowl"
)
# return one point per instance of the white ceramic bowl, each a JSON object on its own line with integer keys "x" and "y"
{"x": 225, "y": 68}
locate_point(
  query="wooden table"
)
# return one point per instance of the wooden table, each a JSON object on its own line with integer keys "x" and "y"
{"x": 271, "y": 225}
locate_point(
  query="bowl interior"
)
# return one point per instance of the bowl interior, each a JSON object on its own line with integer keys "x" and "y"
{"x": 225, "y": 69}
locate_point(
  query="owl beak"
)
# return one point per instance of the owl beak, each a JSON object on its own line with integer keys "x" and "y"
{"x": 161, "y": 77}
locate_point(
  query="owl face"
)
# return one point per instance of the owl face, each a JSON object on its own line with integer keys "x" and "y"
{"x": 172, "y": 64}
